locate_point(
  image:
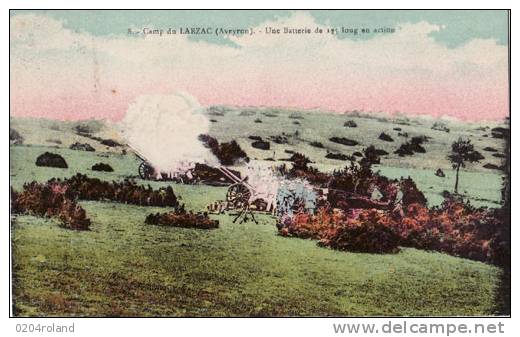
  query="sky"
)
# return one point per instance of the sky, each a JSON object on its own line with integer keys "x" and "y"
{"x": 85, "y": 64}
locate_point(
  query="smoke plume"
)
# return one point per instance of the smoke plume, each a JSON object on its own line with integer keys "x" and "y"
{"x": 164, "y": 130}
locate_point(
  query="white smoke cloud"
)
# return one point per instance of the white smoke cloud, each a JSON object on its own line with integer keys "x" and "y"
{"x": 164, "y": 129}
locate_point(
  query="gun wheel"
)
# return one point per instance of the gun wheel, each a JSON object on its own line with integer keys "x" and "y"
{"x": 146, "y": 171}
{"x": 238, "y": 195}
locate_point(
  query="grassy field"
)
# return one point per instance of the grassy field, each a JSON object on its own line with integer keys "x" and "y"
{"x": 123, "y": 267}
{"x": 320, "y": 127}
{"x": 479, "y": 194}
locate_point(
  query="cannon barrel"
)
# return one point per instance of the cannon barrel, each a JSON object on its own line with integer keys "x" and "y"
{"x": 225, "y": 171}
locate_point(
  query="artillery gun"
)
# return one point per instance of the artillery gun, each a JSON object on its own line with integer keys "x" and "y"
{"x": 240, "y": 195}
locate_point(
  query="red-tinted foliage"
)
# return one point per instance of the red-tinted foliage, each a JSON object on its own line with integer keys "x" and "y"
{"x": 58, "y": 198}
{"x": 361, "y": 232}
{"x": 127, "y": 191}
{"x": 369, "y": 232}
{"x": 50, "y": 200}
{"x": 411, "y": 194}
{"x": 454, "y": 228}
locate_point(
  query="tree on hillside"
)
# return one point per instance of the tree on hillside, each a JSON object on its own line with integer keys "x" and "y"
{"x": 462, "y": 152}
{"x": 370, "y": 157}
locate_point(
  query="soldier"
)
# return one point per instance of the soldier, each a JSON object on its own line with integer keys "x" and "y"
{"x": 397, "y": 202}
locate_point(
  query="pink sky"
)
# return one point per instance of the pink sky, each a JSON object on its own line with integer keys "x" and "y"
{"x": 56, "y": 73}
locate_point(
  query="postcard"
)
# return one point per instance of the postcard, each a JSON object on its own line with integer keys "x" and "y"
{"x": 253, "y": 163}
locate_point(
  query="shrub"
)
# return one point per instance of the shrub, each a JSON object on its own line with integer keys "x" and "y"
{"x": 182, "y": 219}
{"x": 343, "y": 141}
{"x": 386, "y": 137}
{"x": 49, "y": 159}
{"x": 440, "y": 173}
{"x": 82, "y": 147}
{"x": 370, "y": 157}
{"x": 50, "y": 200}
{"x": 368, "y": 233}
{"x": 279, "y": 139}
{"x": 300, "y": 161}
{"x": 306, "y": 226}
{"x": 110, "y": 143}
{"x": 350, "y": 124}
{"x": 411, "y": 147}
{"x": 339, "y": 156}
{"x": 127, "y": 191}
{"x": 82, "y": 129}
{"x": 58, "y": 198}
{"x": 455, "y": 228}
{"x": 261, "y": 144}
{"x": 102, "y": 167}
{"x": 227, "y": 153}
{"x": 15, "y": 138}
{"x": 316, "y": 144}
{"x": 439, "y": 126}
{"x": 491, "y": 166}
{"x": 365, "y": 232}
{"x": 411, "y": 194}
{"x": 230, "y": 153}
{"x": 500, "y": 132}
{"x": 86, "y": 129}
{"x": 269, "y": 114}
